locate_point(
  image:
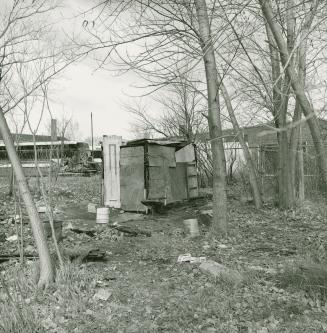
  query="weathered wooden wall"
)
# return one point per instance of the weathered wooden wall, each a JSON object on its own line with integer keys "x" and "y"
{"x": 132, "y": 187}
{"x": 161, "y": 159}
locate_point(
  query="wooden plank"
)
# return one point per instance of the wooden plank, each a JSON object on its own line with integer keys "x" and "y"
{"x": 132, "y": 178}
{"x": 192, "y": 181}
{"x": 161, "y": 156}
{"x": 178, "y": 181}
{"x": 159, "y": 184}
{"x": 111, "y": 155}
{"x": 185, "y": 154}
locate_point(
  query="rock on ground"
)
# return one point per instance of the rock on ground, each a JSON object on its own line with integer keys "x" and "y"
{"x": 220, "y": 271}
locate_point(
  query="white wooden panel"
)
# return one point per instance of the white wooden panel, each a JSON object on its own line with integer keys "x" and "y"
{"x": 185, "y": 154}
{"x": 111, "y": 152}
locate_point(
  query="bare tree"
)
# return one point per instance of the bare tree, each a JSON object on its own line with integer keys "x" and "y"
{"x": 168, "y": 33}
{"x": 24, "y": 49}
{"x": 214, "y": 120}
{"x": 296, "y": 84}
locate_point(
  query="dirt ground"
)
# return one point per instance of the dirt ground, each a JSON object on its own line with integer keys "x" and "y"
{"x": 142, "y": 288}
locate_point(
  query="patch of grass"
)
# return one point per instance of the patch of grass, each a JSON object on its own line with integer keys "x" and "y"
{"x": 306, "y": 276}
{"x": 17, "y": 316}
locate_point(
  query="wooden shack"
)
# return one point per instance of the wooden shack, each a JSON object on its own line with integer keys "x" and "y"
{"x": 148, "y": 170}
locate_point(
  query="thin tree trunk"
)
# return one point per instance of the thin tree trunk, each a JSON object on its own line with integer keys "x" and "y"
{"x": 11, "y": 182}
{"x": 294, "y": 146}
{"x": 249, "y": 161}
{"x": 46, "y": 270}
{"x": 295, "y": 132}
{"x": 277, "y": 97}
{"x": 298, "y": 89}
{"x": 281, "y": 91}
{"x": 301, "y": 170}
{"x": 219, "y": 225}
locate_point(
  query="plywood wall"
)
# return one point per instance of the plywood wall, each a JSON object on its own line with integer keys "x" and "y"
{"x": 132, "y": 178}
{"x": 161, "y": 159}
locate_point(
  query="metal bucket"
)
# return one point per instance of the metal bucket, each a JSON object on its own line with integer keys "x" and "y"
{"x": 102, "y": 215}
{"x": 192, "y": 227}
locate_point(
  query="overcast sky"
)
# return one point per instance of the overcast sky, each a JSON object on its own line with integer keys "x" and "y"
{"x": 83, "y": 89}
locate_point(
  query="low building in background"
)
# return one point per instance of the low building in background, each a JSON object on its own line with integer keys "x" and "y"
{"x": 59, "y": 153}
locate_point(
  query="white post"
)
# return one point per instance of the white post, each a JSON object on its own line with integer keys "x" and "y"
{"x": 111, "y": 154}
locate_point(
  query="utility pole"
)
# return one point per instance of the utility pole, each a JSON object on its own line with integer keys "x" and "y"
{"x": 54, "y": 130}
{"x": 92, "y": 133}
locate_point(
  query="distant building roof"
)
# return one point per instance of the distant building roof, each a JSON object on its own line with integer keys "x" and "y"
{"x": 29, "y": 137}
{"x": 260, "y": 133}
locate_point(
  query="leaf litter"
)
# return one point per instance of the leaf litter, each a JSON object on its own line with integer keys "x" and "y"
{"x": 142, "y": 288}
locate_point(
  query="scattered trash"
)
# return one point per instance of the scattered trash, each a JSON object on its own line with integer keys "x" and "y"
{"x": 188, "y": 258}
{"x": 222, "y": 246}
{"x": 220, "y": 271}
{"x": 42, "y": 209}
{"x": 192, "y": 227}
{"x": 12, "y": 238}
{"x": 92, "y": 208}
{"x": 103, "y": 294}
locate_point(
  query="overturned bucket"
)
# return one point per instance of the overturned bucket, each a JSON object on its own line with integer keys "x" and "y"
{"x": 193, "y": 227}
{"x": 102, "y": 215}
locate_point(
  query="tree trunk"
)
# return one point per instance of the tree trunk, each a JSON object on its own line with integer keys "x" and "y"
{"x": 276, "y": 109}
{"x": 46, "y": 270}
{"x": 11, "y": 183}
{"x": 301, "y": 170}
{"x": 219, "y": 225}
{"x": 296, "y": 148}
{"x": 281, "y": 91}
{"x": 298, "y": 89}
{"x": 249, "y": 161}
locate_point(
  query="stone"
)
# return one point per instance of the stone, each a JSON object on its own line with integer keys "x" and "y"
{"x": 103, "y": 294}
{"x": 220, "y": 271}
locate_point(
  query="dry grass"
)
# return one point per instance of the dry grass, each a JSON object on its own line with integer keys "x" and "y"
{"x": 17, "y": 316}
{"x": 308, "y": 276}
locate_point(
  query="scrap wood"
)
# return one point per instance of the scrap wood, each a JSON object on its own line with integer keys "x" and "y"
{"x": 81, "y": 229}
{"x": 15, "y": 256}
{"x": 78, "y": 254}
{"x": 159, "y": 206}
{"x": 133, "y": 231}
{"x": 81, "y": 253}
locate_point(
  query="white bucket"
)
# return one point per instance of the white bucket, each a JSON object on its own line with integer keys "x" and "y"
{"x": 102, "y": 215}
{"x": 193, "y": 227}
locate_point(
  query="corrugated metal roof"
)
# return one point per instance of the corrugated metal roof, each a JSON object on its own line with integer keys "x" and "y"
{"x": 160, "y": 142}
